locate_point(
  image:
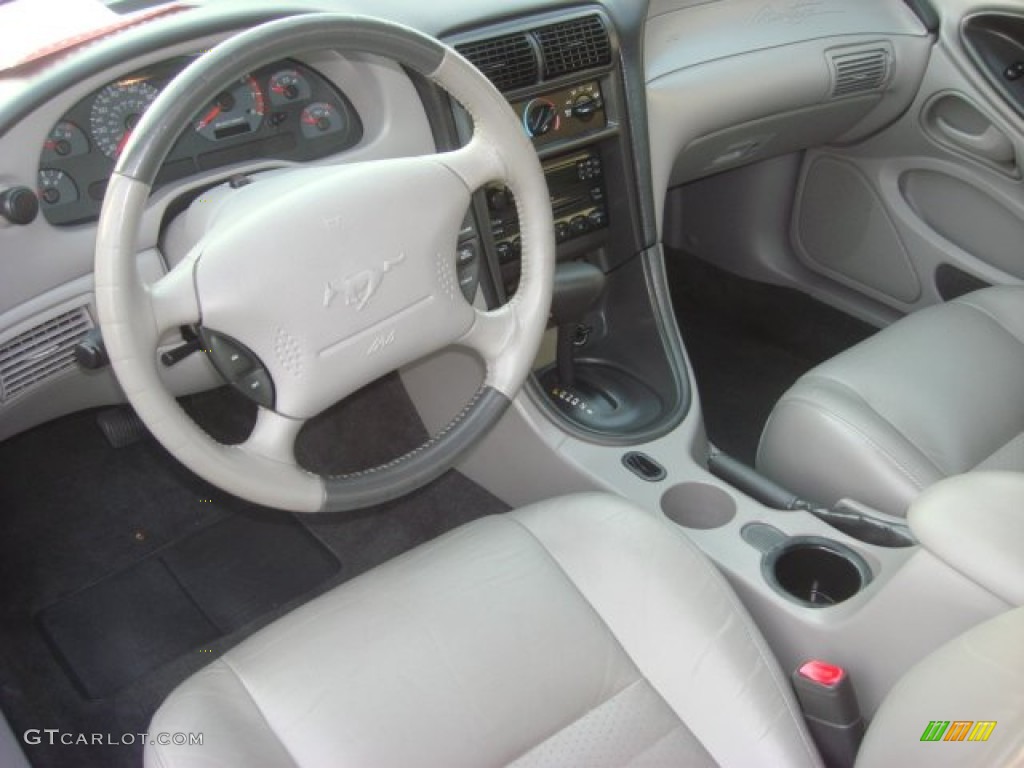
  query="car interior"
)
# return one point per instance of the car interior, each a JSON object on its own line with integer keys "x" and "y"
{"x": 698, "y": 439}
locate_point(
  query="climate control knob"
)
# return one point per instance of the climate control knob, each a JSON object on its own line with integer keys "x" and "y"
{"x": 585, "y": 106}
{"x": 540, "y": 117}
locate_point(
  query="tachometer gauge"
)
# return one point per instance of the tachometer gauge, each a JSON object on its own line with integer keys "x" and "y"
{"x": 65, "y": 140}
{"x": 56, "y": 187}
{"x": 234, "y": 112}
{"x": 288, "y": 86}
{"x": 115, "y": 112}
{"x": 321, "y": 118}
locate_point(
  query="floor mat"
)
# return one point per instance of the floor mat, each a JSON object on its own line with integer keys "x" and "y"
{"x": 74, "y": 511}
{"x": 208, "y": 584}
{"x": 748, "y": 343}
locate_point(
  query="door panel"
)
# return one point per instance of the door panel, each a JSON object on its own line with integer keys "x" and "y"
{"x": 939, "y": 192}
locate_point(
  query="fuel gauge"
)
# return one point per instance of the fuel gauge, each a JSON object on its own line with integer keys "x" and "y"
{"x": 65, "y": 140}
{"x": 321, "y": 118}
{"x": 56, "y": 187}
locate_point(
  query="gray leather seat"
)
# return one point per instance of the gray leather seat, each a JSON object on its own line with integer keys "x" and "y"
{"x": 938, "y": 393}
{"x": 582, "y": 631}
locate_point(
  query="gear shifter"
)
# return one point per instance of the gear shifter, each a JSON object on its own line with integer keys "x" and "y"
{"x": 591, "y": 392}
{"x": 577, "y": 286}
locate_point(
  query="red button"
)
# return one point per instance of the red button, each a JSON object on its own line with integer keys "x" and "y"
{"x": 822, "y": 673}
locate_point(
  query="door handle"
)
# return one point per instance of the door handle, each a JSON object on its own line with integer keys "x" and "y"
{"x": 991, "y": 144}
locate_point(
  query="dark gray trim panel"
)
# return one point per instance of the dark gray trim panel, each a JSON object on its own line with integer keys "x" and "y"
{"x": 420, "y": 466}
{"x": 656, "y": 315}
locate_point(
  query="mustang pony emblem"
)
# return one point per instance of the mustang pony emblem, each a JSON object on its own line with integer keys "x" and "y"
{"x": 359, "y": 288}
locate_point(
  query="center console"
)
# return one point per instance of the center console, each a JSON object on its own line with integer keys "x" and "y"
{"x": 613, "y": 371}
{"x": 608, "y": 408}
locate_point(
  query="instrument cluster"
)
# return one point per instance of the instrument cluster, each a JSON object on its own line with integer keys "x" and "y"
{"x": 283, "y": 111}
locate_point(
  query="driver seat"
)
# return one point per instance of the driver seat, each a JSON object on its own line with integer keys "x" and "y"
{"x": 579, "y": 631}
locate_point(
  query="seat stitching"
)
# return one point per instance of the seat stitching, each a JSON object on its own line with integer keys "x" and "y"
{"x": 858, "y": 396}
{"x": 858, "y": 432}
{"x": 719, "y": 580}
{"x": 259, "y": 709}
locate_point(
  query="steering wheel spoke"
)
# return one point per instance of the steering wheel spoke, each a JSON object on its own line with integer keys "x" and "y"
{"x": 476, "y": 163}
{"x": 273, "y": 437}
{"x": 173, "y": 298}
{"x": 496, "y": 336}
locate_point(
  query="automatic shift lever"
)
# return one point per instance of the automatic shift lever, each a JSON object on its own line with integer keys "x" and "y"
{"x": 595, "y": 394}
{"x": 577, "y": 286}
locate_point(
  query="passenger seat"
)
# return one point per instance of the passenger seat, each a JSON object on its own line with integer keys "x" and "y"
{"x": 938, "y": 393}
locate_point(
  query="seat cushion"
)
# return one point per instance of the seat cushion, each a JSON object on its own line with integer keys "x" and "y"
{"x": 969, "y": 693}
{"x": 581, "y": 631}
{"x": 937, "y": 393}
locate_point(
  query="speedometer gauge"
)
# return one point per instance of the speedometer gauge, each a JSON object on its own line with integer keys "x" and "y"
{"x": 115, "y": 112}
{"x": 234, "y": 112}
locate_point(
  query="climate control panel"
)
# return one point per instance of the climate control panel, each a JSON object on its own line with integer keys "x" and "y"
{"x": 563, "y": 114}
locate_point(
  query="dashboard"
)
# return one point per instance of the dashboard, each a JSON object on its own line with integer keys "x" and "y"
{"x": 284, "y": 111}
{"x": 617, "y": 107}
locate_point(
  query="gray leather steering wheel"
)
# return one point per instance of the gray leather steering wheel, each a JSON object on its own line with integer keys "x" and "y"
{"x": 303, "y": 272}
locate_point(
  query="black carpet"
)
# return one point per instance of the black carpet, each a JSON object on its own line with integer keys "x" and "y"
{"x": 85, "y": 528}
{"x": 210, "y": 583}
{"x": 748, "y": 342}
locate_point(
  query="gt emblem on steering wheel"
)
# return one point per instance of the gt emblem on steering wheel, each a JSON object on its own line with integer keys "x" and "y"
{"x": 360, "y": 287}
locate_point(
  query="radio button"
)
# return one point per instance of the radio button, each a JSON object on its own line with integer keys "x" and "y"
{"x": 506, "y": 253}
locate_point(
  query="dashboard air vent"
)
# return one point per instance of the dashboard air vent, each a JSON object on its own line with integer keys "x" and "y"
{"x": 571, "y": 46}
{"x": 42, "y": 352}
{"x": 508, "y": 62}
{"x": 859, "y": 71}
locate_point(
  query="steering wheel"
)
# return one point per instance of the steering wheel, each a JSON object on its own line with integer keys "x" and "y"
{"x": 303, "y": 281}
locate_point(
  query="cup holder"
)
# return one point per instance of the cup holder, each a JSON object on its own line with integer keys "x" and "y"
{"x": 698, "y": 505}
{"x": 815, "y": 571}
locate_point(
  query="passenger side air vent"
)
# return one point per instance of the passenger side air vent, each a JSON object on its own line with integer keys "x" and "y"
{"x": 571, "y": 46}
{"x": 41, "y": 353}
{"x": 859, "y": 71}
{"x": 508, "y": 62}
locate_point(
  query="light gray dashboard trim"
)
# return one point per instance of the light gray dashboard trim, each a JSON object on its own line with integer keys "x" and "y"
{"x": 50, "y": 79}
{"x": 150, "y": 143}
{"x": 681, "y": 35}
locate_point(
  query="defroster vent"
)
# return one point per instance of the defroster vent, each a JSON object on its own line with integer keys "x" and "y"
{"x": 508, "y": 62}
{"x": 41, "y": 353}
{"x": 571, "y": 46}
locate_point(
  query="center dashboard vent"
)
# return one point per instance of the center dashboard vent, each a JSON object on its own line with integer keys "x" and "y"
{"x": 508, "y": 62}
{"x": 860, "y": 71}
{"x": 41, "y": 352}
{"x": 574, "y": 45}
{"x": 517, "y": 61}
